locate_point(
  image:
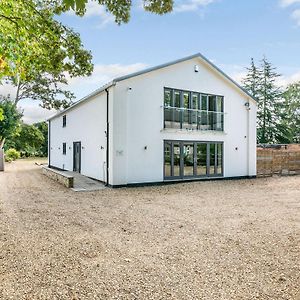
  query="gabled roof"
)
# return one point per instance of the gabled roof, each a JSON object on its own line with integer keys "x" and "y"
{"x": 118, "y": 79}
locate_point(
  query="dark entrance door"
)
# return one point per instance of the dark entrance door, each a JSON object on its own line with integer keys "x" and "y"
{"x": 77, "y": 157}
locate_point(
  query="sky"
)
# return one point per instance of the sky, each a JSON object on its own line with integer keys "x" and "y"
{"x": 228, "y": 32}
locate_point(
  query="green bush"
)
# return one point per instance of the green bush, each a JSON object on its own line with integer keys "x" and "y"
{"x": 12, "y": 154}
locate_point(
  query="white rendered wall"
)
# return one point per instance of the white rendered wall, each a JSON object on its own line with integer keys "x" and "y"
{"x": 138, "y": 122}
{"x": 86, "y": 123}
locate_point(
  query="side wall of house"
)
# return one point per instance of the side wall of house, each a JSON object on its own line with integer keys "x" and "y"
{"x": 138, "y": 140}
{"x": 85, "y": 123}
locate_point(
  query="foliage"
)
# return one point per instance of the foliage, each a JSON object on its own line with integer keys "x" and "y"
{"x": 30, "y": 141}
{"x": 38, "y": 53}
{"x": 43, "y": 128}
{"x": 1, "y": 115}
{"x": 291, "y": 111}
{"x": 261, "y": 83}
{"x": 11, "y": 120}
{"x": 12, "y": 154}
{"x": 121, "y": 8}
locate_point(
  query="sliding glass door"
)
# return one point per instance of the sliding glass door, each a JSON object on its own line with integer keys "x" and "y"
{"x": 192, "y": 159}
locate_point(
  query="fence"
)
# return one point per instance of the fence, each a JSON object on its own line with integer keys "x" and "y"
{"x": 280, "y": 162}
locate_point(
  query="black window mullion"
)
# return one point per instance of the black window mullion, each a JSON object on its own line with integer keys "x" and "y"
{"x": 207, "y": 159}
{"x": 195, "y": 159}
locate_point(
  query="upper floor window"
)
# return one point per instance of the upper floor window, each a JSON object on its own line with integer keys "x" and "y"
{"x": 64, "y": 148}
{"x": 64, "y": 121}
{"x": 193, "y": 110}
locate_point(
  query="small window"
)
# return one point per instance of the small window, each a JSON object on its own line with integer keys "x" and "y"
{"x": 64, "y": 121}
{"x": 64, "y": 148}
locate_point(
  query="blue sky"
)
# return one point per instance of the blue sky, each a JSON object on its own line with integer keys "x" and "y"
{"x": 229, "y": 32}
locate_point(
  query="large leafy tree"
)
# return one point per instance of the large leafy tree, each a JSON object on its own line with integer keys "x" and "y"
{"x": 43, "y": 128}
{"x": 29, "y": 140}
{"x": 121, "y": 8}
{"x": 260, "y": 81}
{"x": 10, "y": 121}
{"x": 38, "y": 53}
{"x": 291, "y": 112}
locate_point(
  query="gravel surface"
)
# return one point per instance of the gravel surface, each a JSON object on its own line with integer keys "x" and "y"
{"x": 204, "y": 240}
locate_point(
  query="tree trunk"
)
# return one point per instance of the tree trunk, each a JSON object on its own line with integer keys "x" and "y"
{"x": 1, "y": 159}
{"x": 18, "y": 92}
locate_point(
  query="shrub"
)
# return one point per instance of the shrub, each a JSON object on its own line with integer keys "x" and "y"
{"x": 12, "y": 154}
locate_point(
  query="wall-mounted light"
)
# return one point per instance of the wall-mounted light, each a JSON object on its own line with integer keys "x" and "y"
{"x": 129, "y": 88}
{"x": 146, "y": 147}
{"x": 196, "y": 68}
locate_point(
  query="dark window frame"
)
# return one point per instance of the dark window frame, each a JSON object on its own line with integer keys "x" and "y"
{"x": 211, "y": 119}
{"x": 64, "y": 152}
{"x": 195, "y": 145}
{"x": 64, "y": 121}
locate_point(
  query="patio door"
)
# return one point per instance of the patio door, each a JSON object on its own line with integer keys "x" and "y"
{"x": 77, "y": 157}
{"x": 192, "y": 159}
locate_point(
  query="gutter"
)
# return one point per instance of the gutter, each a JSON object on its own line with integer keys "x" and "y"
{"x": 107, "y": 137}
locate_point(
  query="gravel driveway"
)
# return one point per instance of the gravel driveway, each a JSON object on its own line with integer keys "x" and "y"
{"x": 204, "y": 240}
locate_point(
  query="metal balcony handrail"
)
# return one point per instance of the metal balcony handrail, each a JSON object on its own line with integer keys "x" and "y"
{"x": 195, "y": 110}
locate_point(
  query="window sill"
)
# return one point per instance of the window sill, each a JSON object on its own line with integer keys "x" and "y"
{"x": 195, "y": 132}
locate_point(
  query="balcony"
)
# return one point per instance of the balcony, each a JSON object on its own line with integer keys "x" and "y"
{"x": 193, "y": 119}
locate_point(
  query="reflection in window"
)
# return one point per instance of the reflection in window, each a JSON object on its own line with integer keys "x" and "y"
{"x": 201, "y": 159}
{"x": 168, "y": 159}
{"x": 192, "y": 110}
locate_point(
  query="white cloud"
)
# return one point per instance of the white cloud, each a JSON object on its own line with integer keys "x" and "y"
{"x": 33, "y": 113}
{"x": 101, "y": 75}
{"x": 81, "y": 86}
{"x": 191, "y": 5}
{"x": 93, "y": 9}
{"x": 296, "y": 12}
{"x": 288, "y": 79}
{"x": 7, "y": 89}
{"x": 285, "y": 3}
{"x": 296, "y": 16}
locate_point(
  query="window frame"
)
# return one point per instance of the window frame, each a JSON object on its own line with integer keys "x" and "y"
{"x": 190, "y": 109}
{"x": 64, "y": 121}
{"x": 64, "y": 148}
{"x": 195, "y": 144}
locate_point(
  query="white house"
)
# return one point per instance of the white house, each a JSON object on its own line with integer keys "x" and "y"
{"x": 183, "y": 120}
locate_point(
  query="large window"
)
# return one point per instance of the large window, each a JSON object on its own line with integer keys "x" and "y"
{"x": 192, "y": 159}
{"x": 193, "y": 110}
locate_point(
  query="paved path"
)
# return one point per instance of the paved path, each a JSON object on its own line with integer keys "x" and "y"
{"x": 84, "y": 183}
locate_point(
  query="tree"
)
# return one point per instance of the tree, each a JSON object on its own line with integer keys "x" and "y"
{"x": 29, "y": 140}
{"x": 291, "y": 111}
{"x": 43, "y": 128}
{"x": 38, "y": 53}
{"x": 270, "y": 95}
{"x": 1, "y": 115}
{"x": 10, "y": 121}
{"x": 121, "y": 8}
{"x": 252, "y": 80}
{"x": 261, "y": 83}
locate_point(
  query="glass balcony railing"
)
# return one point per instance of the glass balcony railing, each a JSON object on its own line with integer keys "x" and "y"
{"x": 192, "y": 119}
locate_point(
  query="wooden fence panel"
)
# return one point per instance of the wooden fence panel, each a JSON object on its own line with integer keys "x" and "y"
{"x": 280, "y": 162}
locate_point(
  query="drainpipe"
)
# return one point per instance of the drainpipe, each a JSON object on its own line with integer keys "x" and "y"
{"x": 49, "y": 144}
{"x": 107, "y": 137}
{"x": 248, "y": 137}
